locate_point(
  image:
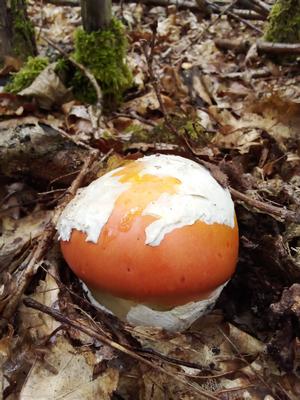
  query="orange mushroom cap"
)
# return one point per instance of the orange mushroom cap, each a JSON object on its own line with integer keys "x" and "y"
{"x": 159, "y": 230}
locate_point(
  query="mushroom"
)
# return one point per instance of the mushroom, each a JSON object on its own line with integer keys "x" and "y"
{"x": 155, "y": 241}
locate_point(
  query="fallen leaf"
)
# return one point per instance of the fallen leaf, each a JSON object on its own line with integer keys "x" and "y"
{"x": 70, "y": 376}
{"x": 47, "y": 89}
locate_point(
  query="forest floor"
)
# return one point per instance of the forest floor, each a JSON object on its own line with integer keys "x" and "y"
{"x": 203, "y": 90}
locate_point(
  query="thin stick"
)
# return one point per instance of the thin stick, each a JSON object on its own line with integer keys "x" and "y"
{"x": 149, "y": 55}
{"x": 132, "y": 115}
{"x": 104, "y": 339}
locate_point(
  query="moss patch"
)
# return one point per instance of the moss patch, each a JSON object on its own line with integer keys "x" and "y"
{"x": 31, "y": 69}
{"x": 190, "y": 128}
{"x": 284, "y": 22}
{"x": 103, "y": 53}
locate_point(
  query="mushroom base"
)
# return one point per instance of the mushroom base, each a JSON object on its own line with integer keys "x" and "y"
{"x": 175, "y": 320}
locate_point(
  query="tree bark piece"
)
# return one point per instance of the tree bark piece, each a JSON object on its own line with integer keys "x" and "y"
{"x": 96, "y": 14}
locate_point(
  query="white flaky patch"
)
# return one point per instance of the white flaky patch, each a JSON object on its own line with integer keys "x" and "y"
{"x": 175, "y": 320}
{"x": 90, "y": 209}
{"x": 199, "y": 197}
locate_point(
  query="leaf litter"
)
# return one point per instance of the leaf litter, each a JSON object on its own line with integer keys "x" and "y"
{"x": 238, "y": 112}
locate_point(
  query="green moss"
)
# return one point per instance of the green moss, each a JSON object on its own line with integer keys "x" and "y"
{"x": 190, "y": 128}
{"x": 103, "y": 54}
{"x": 31, "y": 69}
{"x": 284, "y": 22}
{"x": 23, "y": 31}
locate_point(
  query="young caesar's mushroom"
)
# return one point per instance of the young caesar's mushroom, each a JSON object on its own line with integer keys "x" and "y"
{"x": 155, "y": 241}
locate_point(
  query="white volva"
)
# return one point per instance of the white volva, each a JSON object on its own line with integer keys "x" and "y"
{"x": 177, "y": 319}
{"x": 198, "y": 197}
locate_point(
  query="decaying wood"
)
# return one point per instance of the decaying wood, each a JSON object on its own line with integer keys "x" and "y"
{"x": 38, "y": 152}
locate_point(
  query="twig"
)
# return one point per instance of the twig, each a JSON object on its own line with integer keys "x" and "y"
{"x": 149, "y": 55}
{"x": 86, "y": 72}
{"x": 68, "y": 3}
{"x": 45, "y": 240}
{"x": 72, "y": 138}
{"x": 132, "y": 115}
{"x": 217, "y": 9}
{"x": 104, "y": 339}
{"x": 280, "y": 212}
{"x": 198, "y": 37}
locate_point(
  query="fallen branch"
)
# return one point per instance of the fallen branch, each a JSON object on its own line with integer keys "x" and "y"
{"x": 263, "y": 47}
{"x": 279, "y": 212}
{"x": 278, "y": 48}
{"x": 58, "y": 316}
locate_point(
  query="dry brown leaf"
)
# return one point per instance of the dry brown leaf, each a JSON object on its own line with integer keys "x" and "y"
{"x": 17, "y": 233}
{"x": 35, "y": 323}
{"x": 47, "y": 89}
{"x": 169, "y": 28}
{"x": 147, "y": 103}
{"x": 67, "y": 374}
{"x": 10, "y": 64}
